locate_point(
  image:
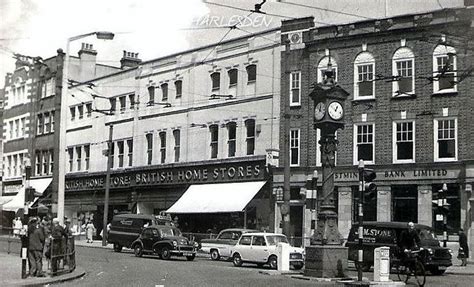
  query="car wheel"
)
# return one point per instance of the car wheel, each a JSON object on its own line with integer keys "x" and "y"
{"x": 117, "y": 247}
{"x": 138, "y": 250}
{"x": 436, "y": 271}
{"x": 273, "y": 262}
{"x": 165, "y": 253}
{"x": 298, "y": 266}
{"x": 215, "y": 254}
{"x": 191, "y": 257}
{"x": 237, "y": 260}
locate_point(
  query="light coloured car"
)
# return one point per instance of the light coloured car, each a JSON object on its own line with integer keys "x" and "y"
{"x": 261, "y": 248}
{"x": 222, "y": 244}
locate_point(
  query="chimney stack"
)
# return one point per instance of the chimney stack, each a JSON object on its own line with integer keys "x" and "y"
{"x": 87, "y": 62}
{"x": 129, "y": 60}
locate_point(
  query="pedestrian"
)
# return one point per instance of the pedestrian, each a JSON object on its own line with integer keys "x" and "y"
{"x": 67, "y": 242}
{"x": 17, "y": 226}
{"x": 36, "y": 240}
{"x": 409, "y": 240}
{"x": 463, "y": 252}
{"x": 57, "y": 234}
{"x": 90, "y": 230}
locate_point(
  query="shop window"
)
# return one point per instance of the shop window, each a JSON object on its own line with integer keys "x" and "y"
{"x": 250, "y": 139}
{"x": 251, "y": 74}
{"x": 214, "y": 131}
{"x": 178, "y": 86}
{"x": 163, "y": 146}
{"x": 404, "y": 142}
{"x": 445, "y": 135}
{"x": 216, "y": 81}
{"x": 364, "y": 69}
{"x": 232, "y": 136}
{"x": 403, "y": 70}
{"x": 444, "y": 69}
{"x": 177, "y": 144}
{"x": 364, "y": 143}
{"x": 452, "y": 210}
{"x": 294, "y": 147}
{"x": 404, "y": 203}
{"x": 295, "y": 88}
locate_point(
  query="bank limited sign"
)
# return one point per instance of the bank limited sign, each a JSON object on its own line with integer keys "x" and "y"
{"x": 412, "y": 174}
{"x": 186, "y": 175}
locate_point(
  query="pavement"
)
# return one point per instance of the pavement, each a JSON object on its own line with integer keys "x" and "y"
{"x": 10, "y": 266}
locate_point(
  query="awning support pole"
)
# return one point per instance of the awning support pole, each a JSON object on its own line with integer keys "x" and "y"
{"x": 245, "y": 217}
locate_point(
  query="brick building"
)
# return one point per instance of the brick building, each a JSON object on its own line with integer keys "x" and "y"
{"x": 408, "y": 115}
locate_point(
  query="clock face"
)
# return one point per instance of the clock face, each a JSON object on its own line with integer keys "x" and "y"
{"x": 319, "y": 111}
{"x": 335, "y": 111}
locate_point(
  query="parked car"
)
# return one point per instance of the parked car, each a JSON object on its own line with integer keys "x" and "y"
{"x": 261, "y": 248}
{"x": 125, "y": 228}
{"x": 376, "y": 234}
{"x": 222, "y": 244}
{"x": 164, "y": 241}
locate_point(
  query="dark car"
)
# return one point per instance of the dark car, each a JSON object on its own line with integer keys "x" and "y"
{"x": 377, "y": 234}
{"x": 225, "y": 240}
{"x": 164, "y": 241}
{"x": 125, "y": 228}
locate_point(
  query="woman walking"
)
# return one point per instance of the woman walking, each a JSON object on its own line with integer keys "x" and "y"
{"x": 90, "y": 230}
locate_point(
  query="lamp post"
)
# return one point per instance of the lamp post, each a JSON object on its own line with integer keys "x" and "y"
{"x": 443, "y": 191}
{"x": 102, "y": 35}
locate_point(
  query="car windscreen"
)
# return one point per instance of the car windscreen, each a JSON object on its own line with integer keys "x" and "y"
{"x": 170, "y": 232}
{"x": 275, "y": 239}
{"x": 427, "y": 237}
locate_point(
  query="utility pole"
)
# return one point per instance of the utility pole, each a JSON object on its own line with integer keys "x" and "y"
{"x": 107, "y": 186}
{"x": 285, "y": 208}
{"x": 360, "y": 258}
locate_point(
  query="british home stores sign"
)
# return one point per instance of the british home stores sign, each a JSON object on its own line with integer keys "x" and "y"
{"x": 235, "y": 172}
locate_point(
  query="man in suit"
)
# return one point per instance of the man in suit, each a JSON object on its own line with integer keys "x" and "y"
{"x": 36, "y": 240}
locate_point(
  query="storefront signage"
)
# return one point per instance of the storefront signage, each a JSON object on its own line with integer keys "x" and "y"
{"x": 14, "y": 188}
{"x": 198, "y": 174}
{"x": 400, "y": 174}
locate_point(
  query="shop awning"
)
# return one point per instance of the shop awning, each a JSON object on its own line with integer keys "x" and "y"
{"x": 17, "y": 202}
{"x": 215, "y": 198}
{"x": 40, "y": 184}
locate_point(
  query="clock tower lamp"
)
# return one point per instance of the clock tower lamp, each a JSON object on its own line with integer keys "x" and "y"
{"x": 326, "y": 257}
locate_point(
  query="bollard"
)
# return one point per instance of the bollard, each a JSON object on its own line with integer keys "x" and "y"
{"x": 24, "y": 252}
{"x": 382, "y": 264}
{"x": 283, "y": 254}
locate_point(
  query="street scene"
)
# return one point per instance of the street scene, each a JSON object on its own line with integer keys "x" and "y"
{"x": 236, "y": 143}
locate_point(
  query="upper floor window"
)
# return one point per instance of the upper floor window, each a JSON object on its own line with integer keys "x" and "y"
{"x": 403, "y": 67}
{"x": 214, "y": 131}
{"x": 404, "y": 142}
{"x": 79, "y": 157}
{"x": 39, "y": 125}
{"x": 80, "y": 111}
{"x": 295, "y": 88}
{"x": 51, "y": 161}
{"x": 177, "y": 144}
{"x": 445, "y": 136}
{"x": 216, "y": 81}
{"x": 52, "y": 120}
{"x": 178, "y": 86}
{"x": 164, "y": 92}
{"x": 250, "y": 136}
{"x": 123, "y": 103}
{"x": 162, "y": 147}
{"x": 38, "y": 162}
{"x": 364, "y": 71}
{"x": 149, "y": 148}
{"x": 72, "y": 112}
{"x": 151, "y": 96}
{"x": 323, "y": 67}
{"x": 444, "y": 69}
{"x": 47, "y": 123}
{"x": 131, "y": 98}
{"x": 120, "y": 146}
{"x": 49, "y": 87}
{"x": 251, "y": 74}
{"x": 70, "y": 152}
{"x": 364, "y": 143}
{"x": 88, "y": 110}
{"x": 113, "y": 105}
{"x": 87, "y": 154}
{"x": 231, "y": 140}
{"x": 233, "y": 75}
{"x": 130, "y": 152}
{"x": 294, "y": 147}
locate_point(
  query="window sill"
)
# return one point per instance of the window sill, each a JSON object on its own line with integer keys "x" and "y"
{"x": 403, "y": 162}
{"x": 47, "y": 97}
{"x": 403, "y": 97}
{"x": 451, "y": 159}
{"x": 445, "y": 94}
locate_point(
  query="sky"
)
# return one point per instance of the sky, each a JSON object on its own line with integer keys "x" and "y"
{"x": 156, "y": 28}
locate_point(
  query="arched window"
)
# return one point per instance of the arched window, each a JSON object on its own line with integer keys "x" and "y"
{"x": 233, "y": 75}
{"x": 178, "y": 86}
{"x": 214, "y": 131}
{"x": 364, "y": 75}
{"x": 251, "y": 74}
{"x": 164, "y": 92}
{"x": 250, "y": 136}
{"x": 323, "y": 67}
{"x": 231, "y": 139}
{"x": 444, "y": 69}
{"x": 216, "y": 81}
{"x": 403, "y": 69}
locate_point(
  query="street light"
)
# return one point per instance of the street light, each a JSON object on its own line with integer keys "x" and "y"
{"x": 102, "y": 35}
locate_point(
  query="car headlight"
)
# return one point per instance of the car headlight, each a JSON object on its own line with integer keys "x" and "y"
{"x": 196, "y": 244}
{"x": 430, "y": 251}
{"x": 175, "y": 243}
{"x": 450, "y": 252}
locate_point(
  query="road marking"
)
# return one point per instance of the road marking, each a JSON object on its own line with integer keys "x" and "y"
{"x": 100, "y": 273}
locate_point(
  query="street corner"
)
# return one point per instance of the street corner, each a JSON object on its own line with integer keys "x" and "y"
{"x": 42, "y": 281}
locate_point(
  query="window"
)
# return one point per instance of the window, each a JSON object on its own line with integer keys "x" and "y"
{"x": 214, "y": 130}
{"x": 216, "y": 81}
{"x": 38, "y": 162}
{"x": 177, "y": 144}
{"x": 294, "y": 147}
{"x": 403, "y": 142}
{"x": 47, "y": 124}
{"x": 323, "y": 67}
{"x": 251, "y": 74}
{"x": 79, "y": 157}
{"x": 23, "y": 126}
{"x": 178, "y": 86}
{"x": 164, "y": 92}
{"x": 445, "y": 139}
{"x": 295, "y": 88}
{"x": 130, "y": 152}
{"x": 17, "y": 128}
{"x": 80, "y": 111}
{"x": 123, "y": 103}
{"x": 112, "y": 154}
{"x": 113, "y": 105}
{"x": 444, "y": 69}
{"x": 233, "y": 75}
{"x": 39, "y": 125}
{"x": 10, "y": 125}
{"x": 9, "y": 160}
{"x": 87, "y": 154}
{"x": 163, "y": 146}
{"x": 72, "y": 112}
{"x": 149, "y": 150}
{"x": 52, "y": 121}
{"x": 45, "y": 156}
{"x": 120, "y": 153}
{"x": 51, "y": 161}
{"x": 404, "y": 197}
{"x": 402, "y": 69}
{"x": 364, "y": 68}
{"x": 364, "y": 143}
{"x": 151, "y": 96}
{"x": 88, "y": 110}
{"x": 232, "y": 134}
{"x": 250, "y": 138}
{"x": 70, "y": 152}
{"x": 131, "y": 98}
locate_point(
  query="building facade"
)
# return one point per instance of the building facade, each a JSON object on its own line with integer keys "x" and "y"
{"x": 189, "y": 135}
{"x": 408, "y": 116}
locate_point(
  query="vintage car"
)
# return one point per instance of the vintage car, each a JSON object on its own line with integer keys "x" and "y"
{"x": 164, "y": 241}
{"x": 225, "y": 240}
{"x": 261, "y": 248}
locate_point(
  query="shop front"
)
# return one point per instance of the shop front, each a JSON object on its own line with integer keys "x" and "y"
{"x": 200, "y": 196}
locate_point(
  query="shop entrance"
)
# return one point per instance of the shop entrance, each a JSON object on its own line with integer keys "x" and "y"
{"x": 405, "y": 203}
